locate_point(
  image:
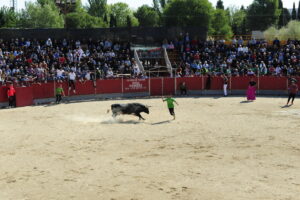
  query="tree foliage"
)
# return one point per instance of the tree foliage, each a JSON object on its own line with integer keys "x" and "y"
{"x": 97, "y": 8}
{"x": 120, "y": 11}
{"x": 238, "y": 21}
{"x": 147, "y": 16}
{"x": 8, "y": 18}
{"x": 188, "y": 13}
{"x": 38, "y": 15}
{"x": 220, "y": 5}
{"x": 291, "y": 31}
{"x": 294, "y": 12}
{"x": 262, "y": 14}
{"x": 221, "y": 24}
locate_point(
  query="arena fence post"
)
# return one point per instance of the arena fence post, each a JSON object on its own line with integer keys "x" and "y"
{"x": 202, "y": 79}
{"x": 149, "y": 82}
{"x": 230, "y": 84}
{"x": 258, "y": 82}
{"x": 162, "y": 86}
{"x": 54, "y": 85}
{"x": 175, "y": 85}
{"x": 122, "y": 86}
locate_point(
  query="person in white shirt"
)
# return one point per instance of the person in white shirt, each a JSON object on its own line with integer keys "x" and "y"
{"x": 59, "y": 75}
{"x": 110, "y": 73}
{"x": 72, "y": 78}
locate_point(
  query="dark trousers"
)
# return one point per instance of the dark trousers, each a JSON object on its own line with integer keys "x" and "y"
{"x": 171, "y": 110}
{"x": 72, "y": 84}
{"x": 12, "y": 101}
{"x": 58, "y": 98}
{"x": 291, "y": 96}
{"x": 183, "y": 91}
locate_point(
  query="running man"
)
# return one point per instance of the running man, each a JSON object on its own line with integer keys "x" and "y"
{"x": 59, "y": 91}
{"x": 293, "y": 89}
{"x": 170, "y": 102}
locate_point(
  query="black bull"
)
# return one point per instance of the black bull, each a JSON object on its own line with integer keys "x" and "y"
{"x": 129, "y": 109}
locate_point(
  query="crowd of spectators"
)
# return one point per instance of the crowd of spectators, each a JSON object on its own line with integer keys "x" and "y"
{"x": 23, "y": 61}
{"x": 236, "y": 58}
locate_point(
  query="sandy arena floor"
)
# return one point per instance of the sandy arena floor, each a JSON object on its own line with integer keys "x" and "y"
{"x": 216, "y": 149}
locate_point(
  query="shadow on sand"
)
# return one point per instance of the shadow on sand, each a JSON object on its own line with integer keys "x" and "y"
{"x": 286, "y": 106}
{"x": 120, "y": 122}
{"x": 162, "y": 122}
{"x": 246, "y": 101}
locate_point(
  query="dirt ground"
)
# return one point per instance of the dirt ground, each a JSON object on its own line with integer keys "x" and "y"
{"x": 216, "y": 149}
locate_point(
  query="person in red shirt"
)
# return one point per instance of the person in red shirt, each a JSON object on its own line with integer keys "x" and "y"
{"x": 293, "y": 89}
{"x": 11, "y": 94}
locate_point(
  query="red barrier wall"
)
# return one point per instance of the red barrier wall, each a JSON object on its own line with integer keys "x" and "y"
{"x": 272, "y": 83}
{"x": 43, "y": 91}
{"x": 169, "y": 86}
{"x": 84, "y": 88}
{"x": 135, "y": 85}
{"x": 156, "y": 87}
{"x": 24, "y": 96}
{"x": 109, "y": 86}
{"x": 241, "y": 82}
{"x": 3, "y": 94}
{"x": 216, "y": 83}
{"x": 192, "y": 83}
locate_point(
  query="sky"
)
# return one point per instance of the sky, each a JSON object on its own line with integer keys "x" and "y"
{"x": 137, "y": 3}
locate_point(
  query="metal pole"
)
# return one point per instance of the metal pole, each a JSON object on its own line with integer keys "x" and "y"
{"x": 175, "y": 84}
{"x": 149, "y": 82}
{"x": 122, "y": 86}
{"x": 162, "y": 86}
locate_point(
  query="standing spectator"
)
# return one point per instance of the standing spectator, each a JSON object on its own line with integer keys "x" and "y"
{"x": 225, "y": 84}
{"x": 293, "y": 89}
{"x": 11, "y": 94}
{"x": 59, "y": 92}
{"x": 183, "y": 88}
{"x": 251, "y": 90}
{"x": 72, "y": 79}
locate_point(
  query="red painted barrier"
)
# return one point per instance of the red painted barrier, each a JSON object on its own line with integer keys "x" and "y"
{"x": 192, "y": 83}
{"x": 272, "y": 83}
{"x": 135, "y": 85}
{"x": 109, "y": 86}
{"x": 24, "y": 96}
{"x": 216, "y": 83}
{"x": 156, "y": 87}
{"x": 242, "y": 82}
{"x": 84, "y": 88}
{"x": 3, "y": 94}
{"x": 168, "y": 86}
{"x": 43, "y": 91}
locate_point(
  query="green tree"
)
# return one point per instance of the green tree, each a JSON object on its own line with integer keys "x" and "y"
{"x": 97, "y": 8}
{"x": 38, "y": 15}
{"x": 238, "y": 21}
{"x": 82, "y": 19}
{"x": 8, "y": 18}
{"x": 188, "y": 13}
{"x": 121, "y": 11}
{"x": 298, "y": 16}
{"x": 221, "y": 24}
{"x": 147, "y": 16}
{"x": 262, "y": 13}
{"x": 284, "y": 17}
{"x": 294, "y": 13}
{"x": 220, "y": 5}
{"x": 129, "y": 24}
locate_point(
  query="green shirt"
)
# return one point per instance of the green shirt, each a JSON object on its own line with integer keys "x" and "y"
{"x": 170, "y": 102}
{"x": 59, "y": 91}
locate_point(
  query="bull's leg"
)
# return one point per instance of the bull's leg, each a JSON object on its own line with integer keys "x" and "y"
{"x": 114, "y": 115}
{"x": 140, "y": 116}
